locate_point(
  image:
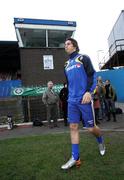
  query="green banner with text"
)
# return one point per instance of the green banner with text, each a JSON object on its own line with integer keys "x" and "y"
{"x": 33, "y": 91}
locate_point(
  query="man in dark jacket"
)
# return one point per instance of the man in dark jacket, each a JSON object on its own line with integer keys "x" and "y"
{"x": 64, "y": 104}
{"x": 110, "y": 101}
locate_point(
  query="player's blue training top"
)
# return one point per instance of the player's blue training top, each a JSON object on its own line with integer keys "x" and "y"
{"x": 81, "y": 76}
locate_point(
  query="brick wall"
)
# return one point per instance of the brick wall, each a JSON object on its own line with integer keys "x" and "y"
{"x": 32, "y": 69}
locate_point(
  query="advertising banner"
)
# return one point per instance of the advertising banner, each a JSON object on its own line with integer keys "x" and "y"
{"x": 33, "y": 91}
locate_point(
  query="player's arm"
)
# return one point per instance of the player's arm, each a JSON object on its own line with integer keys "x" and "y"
{"x": 91, "y": 74}
{"x": 91, "y": 79}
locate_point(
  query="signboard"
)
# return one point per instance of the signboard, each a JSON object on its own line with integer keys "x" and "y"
{"x": 33, "y": 91}
{"x": 48, "y": 62}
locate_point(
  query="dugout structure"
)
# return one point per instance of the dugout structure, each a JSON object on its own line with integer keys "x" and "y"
{"x": 41, "y": 44}
{"x": 35, "y": 58}
{"x": 42, "y": 57}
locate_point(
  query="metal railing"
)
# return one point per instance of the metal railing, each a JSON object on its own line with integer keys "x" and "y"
{"x": 118, "y": 45}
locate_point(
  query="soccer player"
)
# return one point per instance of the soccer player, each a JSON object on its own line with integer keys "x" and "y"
{"x": 81, "y": 79}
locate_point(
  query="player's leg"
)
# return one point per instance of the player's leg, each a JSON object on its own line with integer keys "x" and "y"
{"x": 97, "y": 133}
{"x": 74, "y": 133}
{"x": 74, "y": 119}
{"x": 89, "y": 122}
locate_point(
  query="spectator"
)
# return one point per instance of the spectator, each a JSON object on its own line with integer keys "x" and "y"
{"x": 64, "y": 104}
{"x": 50, "y": 98}
{"x": 101, "y": 92}
{"x": 96, "y": 104}
{"x": 109, "y": 101}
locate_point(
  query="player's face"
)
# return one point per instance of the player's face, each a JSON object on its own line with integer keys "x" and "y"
{"x": 69, "y": 48}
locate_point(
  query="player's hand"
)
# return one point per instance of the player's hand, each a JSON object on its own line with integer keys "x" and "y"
{"x": 86, "y": 98}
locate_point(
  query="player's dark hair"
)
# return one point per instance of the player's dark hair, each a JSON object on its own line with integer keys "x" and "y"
{"x": 74, "y": 42}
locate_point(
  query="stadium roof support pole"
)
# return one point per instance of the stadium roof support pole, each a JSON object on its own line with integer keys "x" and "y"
{"x": 46, "y": 38}
{"x": 19, "y": 38}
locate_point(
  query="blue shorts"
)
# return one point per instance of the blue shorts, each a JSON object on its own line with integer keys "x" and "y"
{"x": 83, "y": 112}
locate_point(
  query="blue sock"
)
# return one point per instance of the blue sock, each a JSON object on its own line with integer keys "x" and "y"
{"x": 75, "y": 151}
{"x": 100, "y": 139}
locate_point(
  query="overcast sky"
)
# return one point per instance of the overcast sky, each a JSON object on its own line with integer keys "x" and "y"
{"x": 95, "y": 19}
